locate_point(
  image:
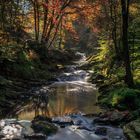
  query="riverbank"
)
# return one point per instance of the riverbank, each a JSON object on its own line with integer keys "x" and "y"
{"x": 121, "y": 103}
{"x": 78, "y": 95}
{"x": 19, "y": 76}
{"x": 71, "y": 75}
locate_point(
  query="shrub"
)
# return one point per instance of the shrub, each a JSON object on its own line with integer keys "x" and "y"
{"x": 124, "y": 98}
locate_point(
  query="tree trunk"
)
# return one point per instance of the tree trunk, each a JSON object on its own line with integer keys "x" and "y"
{"x": 125, "y": 14}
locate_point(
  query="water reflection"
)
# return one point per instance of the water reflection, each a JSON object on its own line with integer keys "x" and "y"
{"x": 64, "y": 98}
{"x": 72, "y": 94}
{"x": 36, "y": 104}
{"x": 72, "y": 98}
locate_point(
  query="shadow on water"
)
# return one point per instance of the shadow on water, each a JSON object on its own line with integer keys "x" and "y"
{"x": 60, "y": 99}
{"x": 70, "y": 94}
{"x": 34, "y": 105}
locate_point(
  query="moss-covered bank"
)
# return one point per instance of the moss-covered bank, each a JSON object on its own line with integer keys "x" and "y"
{"x": 27, "y": 70}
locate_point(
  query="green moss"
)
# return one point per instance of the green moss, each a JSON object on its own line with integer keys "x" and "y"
{"x": 44, "y": 127}
{"x": 132, "y": 130}
{"x": 124, "y": 98}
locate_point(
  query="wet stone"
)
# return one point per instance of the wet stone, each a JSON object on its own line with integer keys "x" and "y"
{"x": 62, "y": 126}
{"x": 42, "y": 118}
{"x": 101, "y": 131}
{"x": 35, "y": 137}
{"x": 43, "y": 125}
{"x": 12, "y": 129}
{"x": 62, "y": 121}
{"x": 77, "y": 122}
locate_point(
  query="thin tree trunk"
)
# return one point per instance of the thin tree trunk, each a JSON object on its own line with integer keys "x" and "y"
{"x": 55, "y": 32}
{"x": 45, "y": 22}
{"x": 113, "y": 12}
{"x": 35, "y": 20}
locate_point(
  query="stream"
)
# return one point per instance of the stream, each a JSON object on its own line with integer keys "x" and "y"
{"x": 71, "y": 93}
{"x": 70, "y": 97}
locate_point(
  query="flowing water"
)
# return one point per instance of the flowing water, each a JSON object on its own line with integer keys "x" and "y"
{"x": 70, "y": 96}
{"x": 71, "y": 93}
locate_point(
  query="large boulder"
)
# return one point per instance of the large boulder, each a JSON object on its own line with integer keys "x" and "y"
{"x": 14, "y": 129}
{"x": 43, "y": 125}
{"x": 113, "y": 117}
{"x": 132, "y": 130}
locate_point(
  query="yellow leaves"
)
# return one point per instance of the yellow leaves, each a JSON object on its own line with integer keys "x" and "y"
{"x": 105, "y": 71}
{"x": 69, "y": 24}
{"x": 115, "y": 100}
{"x": 134, "y": 9}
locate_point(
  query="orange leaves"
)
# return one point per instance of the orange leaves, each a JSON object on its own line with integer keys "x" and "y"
{"x": 53, "y": 16}
{"x": 54, "y": 5}
{"x": 54, "y": 10}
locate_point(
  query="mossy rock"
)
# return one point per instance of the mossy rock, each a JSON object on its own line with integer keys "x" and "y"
{"x": 132, "y": 130}
{"x": 42, "y": 118}
{"x": 43, "y": 125}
